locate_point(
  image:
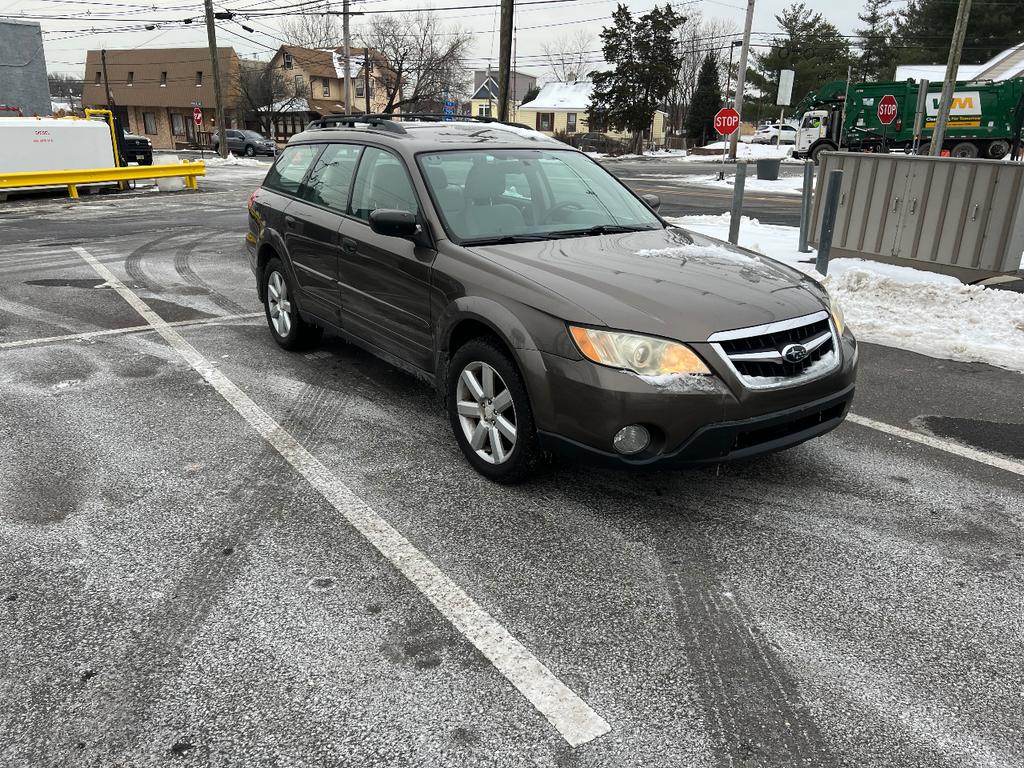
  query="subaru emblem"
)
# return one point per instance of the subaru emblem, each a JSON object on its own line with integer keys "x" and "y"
{"x": 794, "y": 353}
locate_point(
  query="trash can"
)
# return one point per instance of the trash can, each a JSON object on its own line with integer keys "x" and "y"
{"x": 768, "y": 168}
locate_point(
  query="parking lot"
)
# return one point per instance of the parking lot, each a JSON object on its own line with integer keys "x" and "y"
{"x": 218, "y": 553}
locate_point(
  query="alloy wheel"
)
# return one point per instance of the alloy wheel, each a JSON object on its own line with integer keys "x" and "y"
{"x": 278, "y": 303}
{"x": 486, "y": 412}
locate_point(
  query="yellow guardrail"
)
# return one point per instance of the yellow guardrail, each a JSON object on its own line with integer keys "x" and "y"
{"x": 71, "y": 179}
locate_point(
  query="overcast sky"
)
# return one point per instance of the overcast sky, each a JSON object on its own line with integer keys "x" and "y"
{"x": 66, "y": 41}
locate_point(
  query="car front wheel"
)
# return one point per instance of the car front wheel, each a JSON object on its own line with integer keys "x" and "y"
{"x": 250, "y": 150}
{"x": 490, "y": 412}
{"x": 286, "y": 326}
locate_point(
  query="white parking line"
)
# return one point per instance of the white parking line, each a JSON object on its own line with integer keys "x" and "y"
{"x": 86, "y": 335}
{"x": 962, "y": 451}
{"x": 572, "y": 717}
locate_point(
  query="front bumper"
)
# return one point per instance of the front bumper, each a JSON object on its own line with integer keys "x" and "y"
{"x": 578, "y": 408}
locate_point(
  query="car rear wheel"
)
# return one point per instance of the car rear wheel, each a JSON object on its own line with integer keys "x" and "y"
{"x": 250, "y": 150}
{"x": 490, "y": 412}
{"x": 773, "y": 140}
{"x": 286, "y": 326}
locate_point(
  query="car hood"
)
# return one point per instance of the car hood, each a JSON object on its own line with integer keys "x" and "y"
{"x": 667, "y": 282}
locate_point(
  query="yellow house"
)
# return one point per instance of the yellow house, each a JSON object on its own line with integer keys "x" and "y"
{"x": 561, "y": 108}
{"x": 485, "y": 101}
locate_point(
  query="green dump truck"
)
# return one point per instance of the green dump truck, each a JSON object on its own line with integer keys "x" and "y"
{"x": 984, "y": 120}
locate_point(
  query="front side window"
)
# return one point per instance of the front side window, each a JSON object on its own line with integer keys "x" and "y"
{"x": 486, "y": 195}
{"x": 330, "y": 180}
{"x": 287, "y": 173}
{"x": 382, "y": 182}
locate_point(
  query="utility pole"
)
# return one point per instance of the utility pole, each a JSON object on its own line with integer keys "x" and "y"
{"x": 741, "y": 77}
{"x": 366, "y": 77}
{"x": 347, "y": 58}
{"x": 505, "y": 58}
{"x": 211, "y": 36}
{"x": 106, "y": 83}
{"x": 956, "y": 49}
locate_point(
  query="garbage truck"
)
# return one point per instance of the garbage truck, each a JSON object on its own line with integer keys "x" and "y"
{"x": 985, "y": 119}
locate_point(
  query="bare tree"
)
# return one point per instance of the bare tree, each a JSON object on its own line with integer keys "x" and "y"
{"x": 569, "y": 57}
{"x": 697, "y": 38}
{"x": 425, "y": 61}
{"x": 267, "y": 93}
{"x": 308, "y": 31}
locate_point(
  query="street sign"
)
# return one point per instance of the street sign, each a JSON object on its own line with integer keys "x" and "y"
{"x": 887, "y": 109}
{"x": 727, "y": 120}
{"x": 785, "y": 88}
{"x": 197, "y": 116}
{"x": 196, "y": 103}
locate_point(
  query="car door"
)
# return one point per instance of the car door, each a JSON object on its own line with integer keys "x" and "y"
{"x": 312, "y": 229}
{"x": 385, "y": 280}
{"x": 236, "y": 143}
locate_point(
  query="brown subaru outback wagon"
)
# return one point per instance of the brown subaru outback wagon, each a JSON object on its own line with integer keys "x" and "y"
{"x": 549, "y": 304}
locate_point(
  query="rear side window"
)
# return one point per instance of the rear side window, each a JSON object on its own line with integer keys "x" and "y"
{"x": 382, "y": 182}
{"x": 291, "y": 166}
{"x": 331, "y": 178}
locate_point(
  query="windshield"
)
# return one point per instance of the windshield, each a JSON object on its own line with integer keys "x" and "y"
{"x": 536, "y": 194}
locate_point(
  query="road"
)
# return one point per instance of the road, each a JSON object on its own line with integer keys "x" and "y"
{"x": 189, "y": 576}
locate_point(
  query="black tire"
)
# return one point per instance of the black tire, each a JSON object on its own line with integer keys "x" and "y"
{"x": 298, "y": 334}
{"x": 964, "y": 149}
{"x": 524, "y": 457}
{"x": 250, "y": 150}
{"x": 774, "y": 141}
{"x": 817, "y": 150}
{"x": 999, "y": 149}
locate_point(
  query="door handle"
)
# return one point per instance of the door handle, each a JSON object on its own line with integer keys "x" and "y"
{"x": 289, "y": 222}
{"x": 348, "y": 245}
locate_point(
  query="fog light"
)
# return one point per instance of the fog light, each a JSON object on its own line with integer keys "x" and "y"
{"x": 631, "y": 439}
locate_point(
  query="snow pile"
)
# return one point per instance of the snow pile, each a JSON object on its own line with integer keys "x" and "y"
{"x": 745, "y": 151}
{"x": 898, "y": 306}
{"x": 246, "y": 162}
{"x": 955, "y": 321}
{"x": 785, "y": 185}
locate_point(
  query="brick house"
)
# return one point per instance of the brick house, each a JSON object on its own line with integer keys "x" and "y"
{"x": 154, "y": 91}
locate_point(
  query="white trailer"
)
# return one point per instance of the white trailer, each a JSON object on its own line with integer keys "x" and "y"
{"x": 30, "y": 144}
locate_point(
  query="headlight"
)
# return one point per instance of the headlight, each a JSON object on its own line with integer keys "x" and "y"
{"x": 837, "y": 315}
{"x": 644, "y": 355}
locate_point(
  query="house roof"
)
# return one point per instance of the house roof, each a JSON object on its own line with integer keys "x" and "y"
{"x": 330, "y": 62}
{"x": 572, "y": 97}
{"x": 1003, "y": 66}
{"x": 487, "y": 90}
{"x": 934, "y": 72}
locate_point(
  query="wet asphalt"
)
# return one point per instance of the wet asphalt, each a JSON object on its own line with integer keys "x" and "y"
{"x": 173, "y": 592}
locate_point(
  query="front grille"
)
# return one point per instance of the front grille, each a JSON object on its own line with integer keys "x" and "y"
{"x": 757, "y": 354}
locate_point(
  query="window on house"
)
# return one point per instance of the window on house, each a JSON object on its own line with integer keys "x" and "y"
{"x": 199, "y": 78}
{"x": 483, "y": 110}
{"x": 300, "y": 84}
{"x": 163, "y": 79}
{"x": 326, "y": 88}
{"x": 131, "y": 78}
{"x": 288, "y": 61}
{"x": 149, "y": 122}
{"x": 177, "y": 124}
{"x": 570, "y": 122}
{"x": 545, "y": 121}
{"x": 99, "y": 78}
{"x": 360, "y": 88}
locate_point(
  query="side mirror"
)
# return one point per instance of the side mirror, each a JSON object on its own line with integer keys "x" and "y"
{"x": 385, "y": 221}
{"x": 653, "y": 201}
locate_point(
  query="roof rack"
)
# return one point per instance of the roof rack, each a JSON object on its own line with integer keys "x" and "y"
{"x": 390, "y": 121}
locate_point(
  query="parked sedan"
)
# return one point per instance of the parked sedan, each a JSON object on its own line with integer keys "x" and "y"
{"x": 550, "y": 305}
{"x": 773, "y": 134}
{"x": 246, "y": 143}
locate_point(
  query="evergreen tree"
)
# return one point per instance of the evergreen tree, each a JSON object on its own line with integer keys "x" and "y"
{"x": 809, "y": 45}
{"x": 876, "y": 55}
{"x": 646, "y": 60}
{"x": 924, "y": 30}
{"x": 707, "y": 100}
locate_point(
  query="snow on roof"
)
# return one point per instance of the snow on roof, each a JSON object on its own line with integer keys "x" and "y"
{"x": 935, "y": 72}
{"x": 295, "y": 104}
{"x": 572, "y": 97}
{"x": 354, "y": 64}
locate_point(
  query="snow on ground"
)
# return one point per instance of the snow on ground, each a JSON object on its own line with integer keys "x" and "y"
{"x": 746, "y": 151}
{"x": 785, "y": 185}
{"x": 245, "y": 162}
{"x": 897, "y": 306}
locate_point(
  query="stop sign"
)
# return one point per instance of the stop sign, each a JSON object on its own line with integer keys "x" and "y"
{"x": 727, "y": 120}
{"x": 197, "y": 116}
{"x": 887, "y": 108}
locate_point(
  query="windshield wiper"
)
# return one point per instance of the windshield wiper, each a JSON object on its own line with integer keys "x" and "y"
{"x": 600, "y": 229}
{"x": 505, "y": 239}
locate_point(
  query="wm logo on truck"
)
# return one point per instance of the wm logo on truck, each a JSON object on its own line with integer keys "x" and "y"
{"x": 965, "y": 103}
